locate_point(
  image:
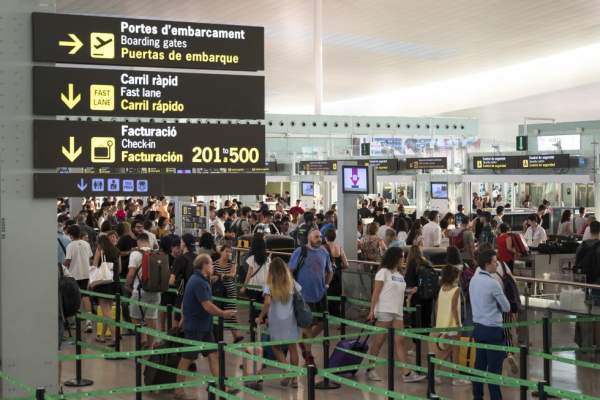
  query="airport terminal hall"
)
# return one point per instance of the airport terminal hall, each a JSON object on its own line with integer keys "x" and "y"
{"x": 299, "y": 199}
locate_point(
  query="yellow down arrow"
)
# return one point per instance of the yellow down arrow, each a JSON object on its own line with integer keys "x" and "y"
{"x": 71, "y": 153}
{"x": 76, "y": 44}
{"x": 69, "y": 100}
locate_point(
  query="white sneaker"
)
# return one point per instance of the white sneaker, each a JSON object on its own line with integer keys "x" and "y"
{"x": 373, "y": 376}
{"x": 460, "y": 382}
{"x": 88, "y": 327}
{"x": 413, "y": 377}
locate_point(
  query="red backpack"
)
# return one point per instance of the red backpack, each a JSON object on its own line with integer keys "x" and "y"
{"x": 519, "y": 243}
{"x": 457, "y": 238}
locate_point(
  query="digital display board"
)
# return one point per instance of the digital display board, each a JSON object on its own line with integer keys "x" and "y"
{"x": 439, "y": 190}
{"x": 355, "y": 180}
{"x": 307, "y": 189}
{"x": 427, "y": 163}
{"x": 85, "y": 185}
{"x": 145, "y": 93}
{"x": 193, "y": 217}
{"x": 536, "y": 161}
{"x": 83, "y": 39}
{"x": 125, "y": 144}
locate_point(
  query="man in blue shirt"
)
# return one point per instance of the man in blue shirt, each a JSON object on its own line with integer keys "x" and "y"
{"x": 311, "y": 267}
{"x": 329, "y": 222}
{"x": 488, "y": 302}
{"x": 196, "y": 320}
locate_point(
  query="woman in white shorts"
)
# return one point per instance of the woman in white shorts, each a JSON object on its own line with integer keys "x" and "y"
{"x": 387, "y": 308}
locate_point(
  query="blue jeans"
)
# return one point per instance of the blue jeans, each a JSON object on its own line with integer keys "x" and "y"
{"x": 488, "y": 360}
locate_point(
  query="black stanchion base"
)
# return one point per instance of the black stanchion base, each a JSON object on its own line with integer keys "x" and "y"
{"x": 327, "y": 385}
{"x": 548, "y": 396}
{"x": 79, "y": 383}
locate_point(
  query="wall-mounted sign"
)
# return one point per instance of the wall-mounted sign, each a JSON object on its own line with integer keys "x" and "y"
{"x": 104, "y": 92}
{"x": 522, "y": 143}
{"x": 81, "y": 39}
{"x": 380, "y": 164}
{"x": 425, "y": 163}
{"x": 123, "y": 144}
{"x": 539, "y": 161}
{"x": 559, "y": 142}
{"x": 269, "y": 166}
{"x": 317, "y": 166}
{"x": 193, "y": 217}
{"x": 83, "y": 185}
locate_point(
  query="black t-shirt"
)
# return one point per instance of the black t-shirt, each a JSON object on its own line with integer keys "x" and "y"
{"x": 125, "y": 243}
{"x": 183, "y": 267}
{"x": 364, "y": 212}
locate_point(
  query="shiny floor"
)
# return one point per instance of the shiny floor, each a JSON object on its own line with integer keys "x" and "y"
{"x": 112, "y": 374}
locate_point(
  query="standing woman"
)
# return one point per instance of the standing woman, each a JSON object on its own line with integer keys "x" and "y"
{"x": 415, "y": 236}
{"x": 107, "y": 251}
{"x": 258, "y": 269}
{"x": 387, "y": 309}
{"x": 566, "y": 225}
{"x": 414, "y": 263}
{"x": 279, "y": 307}
{"x": 339, "y": 263}
{"x": 371, "y": 245}
{"x": 224, "y": 272}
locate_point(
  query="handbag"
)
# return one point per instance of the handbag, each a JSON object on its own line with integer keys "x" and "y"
{"x": 101, "y": 275}
{"x": 302, "y": 311}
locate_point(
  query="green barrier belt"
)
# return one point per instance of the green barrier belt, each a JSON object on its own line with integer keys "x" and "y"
{"x": 132, "y": 354}
{"x": 575, "y": 319}
{"x": 94, "y": 347}
{"x": 358, "y": 302}
{"x": 565, "y": 394}
{"x": 496, "y": 378}
{"x": 19, "y": 385}
{"x": 144, "y": 305}
{"x": 440, "y": 330}
{"x": 262, "y": 377}
{"x": 552, "y": 357}
{"x": 221, "y": 394}
{"x": 366, "y": 388}
{"x": 316, "y": 340}
{"x": 21, "y": 398}
{"x": 355, "y": 367}
{"x": 271, "y": 363}
{"x": 383, "y": 360}
{"x": 509, "y": 349}
{"x": 359, "y": 325}
{"x": 231, "y": 301}
{"x": 130, "y": 390}
{"x": 251, "y": 392}
{"x": 106, "y": 320}
{"x": 97, "y": 294}
{"x": 334, "y": 298}
{"x": 175, "y": 371}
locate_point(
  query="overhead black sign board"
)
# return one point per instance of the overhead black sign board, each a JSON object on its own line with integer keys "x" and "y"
{"x": 537, "y": 161}
{"x": 143, "y": 93}
{"x": 317, "y": 166}
{"x": 81, "y": 39}
{"x": 425, "y": 163}
{"x": 381, "y": 164}
{"x": 123, "y": 144}
{"x": 269, "y": 166}
{"x": 59, "y": 185}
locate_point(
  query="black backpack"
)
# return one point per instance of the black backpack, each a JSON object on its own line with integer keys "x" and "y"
{"x": 69, "y": 294}
{"x": 511, "y": 291}
{"x": 429, "y": 282}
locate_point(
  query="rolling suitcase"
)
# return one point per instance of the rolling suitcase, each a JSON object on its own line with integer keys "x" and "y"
{"x": 466, "y": 355}
{"x": 153, "y": 376}
{"x": 340, "y": 358}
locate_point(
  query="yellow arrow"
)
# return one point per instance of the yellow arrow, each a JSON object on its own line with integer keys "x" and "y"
{"x": 71, "y": 153}
{"x": 70, "y": 101}
{"x": 75, "y": 43}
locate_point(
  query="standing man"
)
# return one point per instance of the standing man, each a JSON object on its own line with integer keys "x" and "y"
{"x": 389, "y": 224}
{"x": 297, "y": 209}
{"x": 329, "y": 222}
{"x": 459, "y": 215}
{"x": 77, "y": 259}
{"x": 488, "y": 302}
{"x": 311, "y": 267}
{"x": 432, "y": 233}
{"x": 196, "y": 320}
{"x": 402, "y": 199}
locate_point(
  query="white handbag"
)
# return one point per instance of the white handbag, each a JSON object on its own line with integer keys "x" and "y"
{"x": 103, "y": 274}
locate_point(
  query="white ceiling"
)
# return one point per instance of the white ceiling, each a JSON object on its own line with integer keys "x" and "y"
{"x": 393, "y": 57}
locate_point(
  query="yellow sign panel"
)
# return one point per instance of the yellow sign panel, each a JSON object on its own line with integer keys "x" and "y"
{"x": 525, "y": 163}
{"x": 102, "y": 45}
{"x": 103, "y": 149}
{"x": 102, "y": 97}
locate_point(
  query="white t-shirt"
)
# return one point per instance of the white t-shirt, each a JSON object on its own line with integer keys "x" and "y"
{"x": 135, "y": 260}
{"x": 402, "y": 236}
{"x": 152, "y": 239}
{"x": 579, "y": 224}
{"x": 586, "y": 234}
{"x": 260, "y": 277}
{"x": 534, "y": 239}
{"x": 391, "y": 299}
{"x": 432, "y": 235}
{"x": 565, "y": 228}
{"x": 219, "y": 227}
{"x": 382, "y": 230}
{"x": 79, "y": 252}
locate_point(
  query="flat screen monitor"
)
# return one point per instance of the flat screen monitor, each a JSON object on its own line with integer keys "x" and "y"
{"x": 308, "y": 189}
{"x": 439, "y": 190}
{"x": 355, "y": 180}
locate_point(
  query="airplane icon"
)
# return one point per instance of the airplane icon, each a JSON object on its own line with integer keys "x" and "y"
{"x": 102, "y": 45}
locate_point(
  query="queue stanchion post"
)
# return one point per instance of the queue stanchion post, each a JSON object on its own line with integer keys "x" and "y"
{"x": 311, "y": 373}
{"x": 117, "y": 322}
{"x": 390, "y": 358}
{"x": 211, "y": 395}
{"x": 138, "y": 366}
{"x": 343, "y": 301}
{"x": 523, "y": 370}
{"x": 40, "y": 393}
{"x": 418, "y": 324}
{"x": 221, "y": 329}
{"x": 78, "y": 381}
{"x": 547, "y": 364}
{"x": 541, "y": 390}
{"x": 169, "y": 317}
{"x": 252, "y": 322}
{"x": 430, "y": 375}
{"x": 222, "y": 371}
{"x": 326, "y": 384}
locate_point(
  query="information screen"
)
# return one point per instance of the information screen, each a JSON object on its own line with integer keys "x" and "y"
{"x": 356, "y": 180}
{"x": 308, "y": 189}
{"x": 439, "y": 190}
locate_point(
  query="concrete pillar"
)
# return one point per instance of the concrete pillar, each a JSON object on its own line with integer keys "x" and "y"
{"x": 347, "y": 215}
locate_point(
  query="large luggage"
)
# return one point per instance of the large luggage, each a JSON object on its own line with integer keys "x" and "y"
{"x": 153, "y": 376}
{"x": 519, "y": 243}
{"x": 466, "y": 355}
{"x": 340, "y": 358}
{"x": 280, "y": 243}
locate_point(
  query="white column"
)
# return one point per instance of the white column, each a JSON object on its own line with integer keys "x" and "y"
{"x": 318, "y": 55}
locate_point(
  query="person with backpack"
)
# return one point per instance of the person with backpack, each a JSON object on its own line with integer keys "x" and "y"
{"x": 301, "y": 233}
{"x": 421, "y": 276}
{"x": 258, "y": 269}
{"x": 311, "y": 268}
{"x": 506, "y": 251}
{"x": 183, "y": 266}
{"x": 143, "y": 263}
{"x": 241, "y": 226}
{"x": 387, "y": 310}
{"x": 488, "y": 303}
{"x": 278, "y": 306}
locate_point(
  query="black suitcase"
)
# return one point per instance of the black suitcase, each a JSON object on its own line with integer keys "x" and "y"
{"x": 153, "y": 376}
{"x": 280, "y": 243}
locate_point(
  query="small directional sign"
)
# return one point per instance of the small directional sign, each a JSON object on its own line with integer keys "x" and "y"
{"x": 75, "y": 44}
{"x": 522, "y": 143}
{"x": 70, "y": 99}
{"x": 71, "y": 153}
